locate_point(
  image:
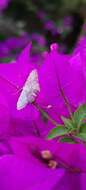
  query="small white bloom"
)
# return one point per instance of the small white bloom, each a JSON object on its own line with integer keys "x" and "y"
{"x": 30, "y": 90}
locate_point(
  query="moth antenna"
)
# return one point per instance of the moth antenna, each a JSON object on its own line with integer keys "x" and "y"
{"x": 10, "y": 83}
{"x": 19, "y": 90}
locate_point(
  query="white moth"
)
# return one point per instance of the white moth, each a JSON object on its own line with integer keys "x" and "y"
{"x": 30, "y": 90}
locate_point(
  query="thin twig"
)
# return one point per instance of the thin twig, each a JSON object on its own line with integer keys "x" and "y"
{"x": 46, "y": 115}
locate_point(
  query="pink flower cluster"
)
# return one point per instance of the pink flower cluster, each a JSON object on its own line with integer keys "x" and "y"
{"x": 28, "y": 161}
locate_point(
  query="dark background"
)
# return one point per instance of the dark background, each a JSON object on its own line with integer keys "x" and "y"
{"x": 43, "y": 22}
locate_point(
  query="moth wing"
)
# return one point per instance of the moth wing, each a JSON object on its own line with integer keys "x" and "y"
{"x": 30, "y": 90}
{"x": 22, "y": 101}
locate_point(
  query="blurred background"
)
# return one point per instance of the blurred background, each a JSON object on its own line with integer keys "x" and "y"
{"x": 42, "y": 22}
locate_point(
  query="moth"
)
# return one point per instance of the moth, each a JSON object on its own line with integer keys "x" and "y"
{"x": 30, "y": 90}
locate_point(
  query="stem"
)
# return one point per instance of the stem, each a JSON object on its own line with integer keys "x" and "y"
{"x": 45, "y": 114}
{"x": 73, "y": 138}
{"x": 79, "y": 140}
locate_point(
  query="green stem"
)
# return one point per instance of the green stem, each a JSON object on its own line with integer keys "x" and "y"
{"x": 45, "y": 114}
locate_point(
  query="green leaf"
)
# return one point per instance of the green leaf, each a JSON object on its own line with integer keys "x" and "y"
{"x": 67, "y": 139}
{"x": 80, "y": 115}
{"x": 82, "y": 132}
{"x": 83, "y": 128}
{"x": 68, "y": 123}
{"x": 82, "y": 136}
{"x": 57, "y": 131}
{"x": 6, "y": 59}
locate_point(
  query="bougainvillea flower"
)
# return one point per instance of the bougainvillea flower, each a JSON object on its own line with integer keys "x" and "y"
{"x": 26, "y": 175}
{"x": 62, "y": 86}
{"x": 12, "y": 78}
{"x": 27, "y": 169}
{"x": 29, "y": 172}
